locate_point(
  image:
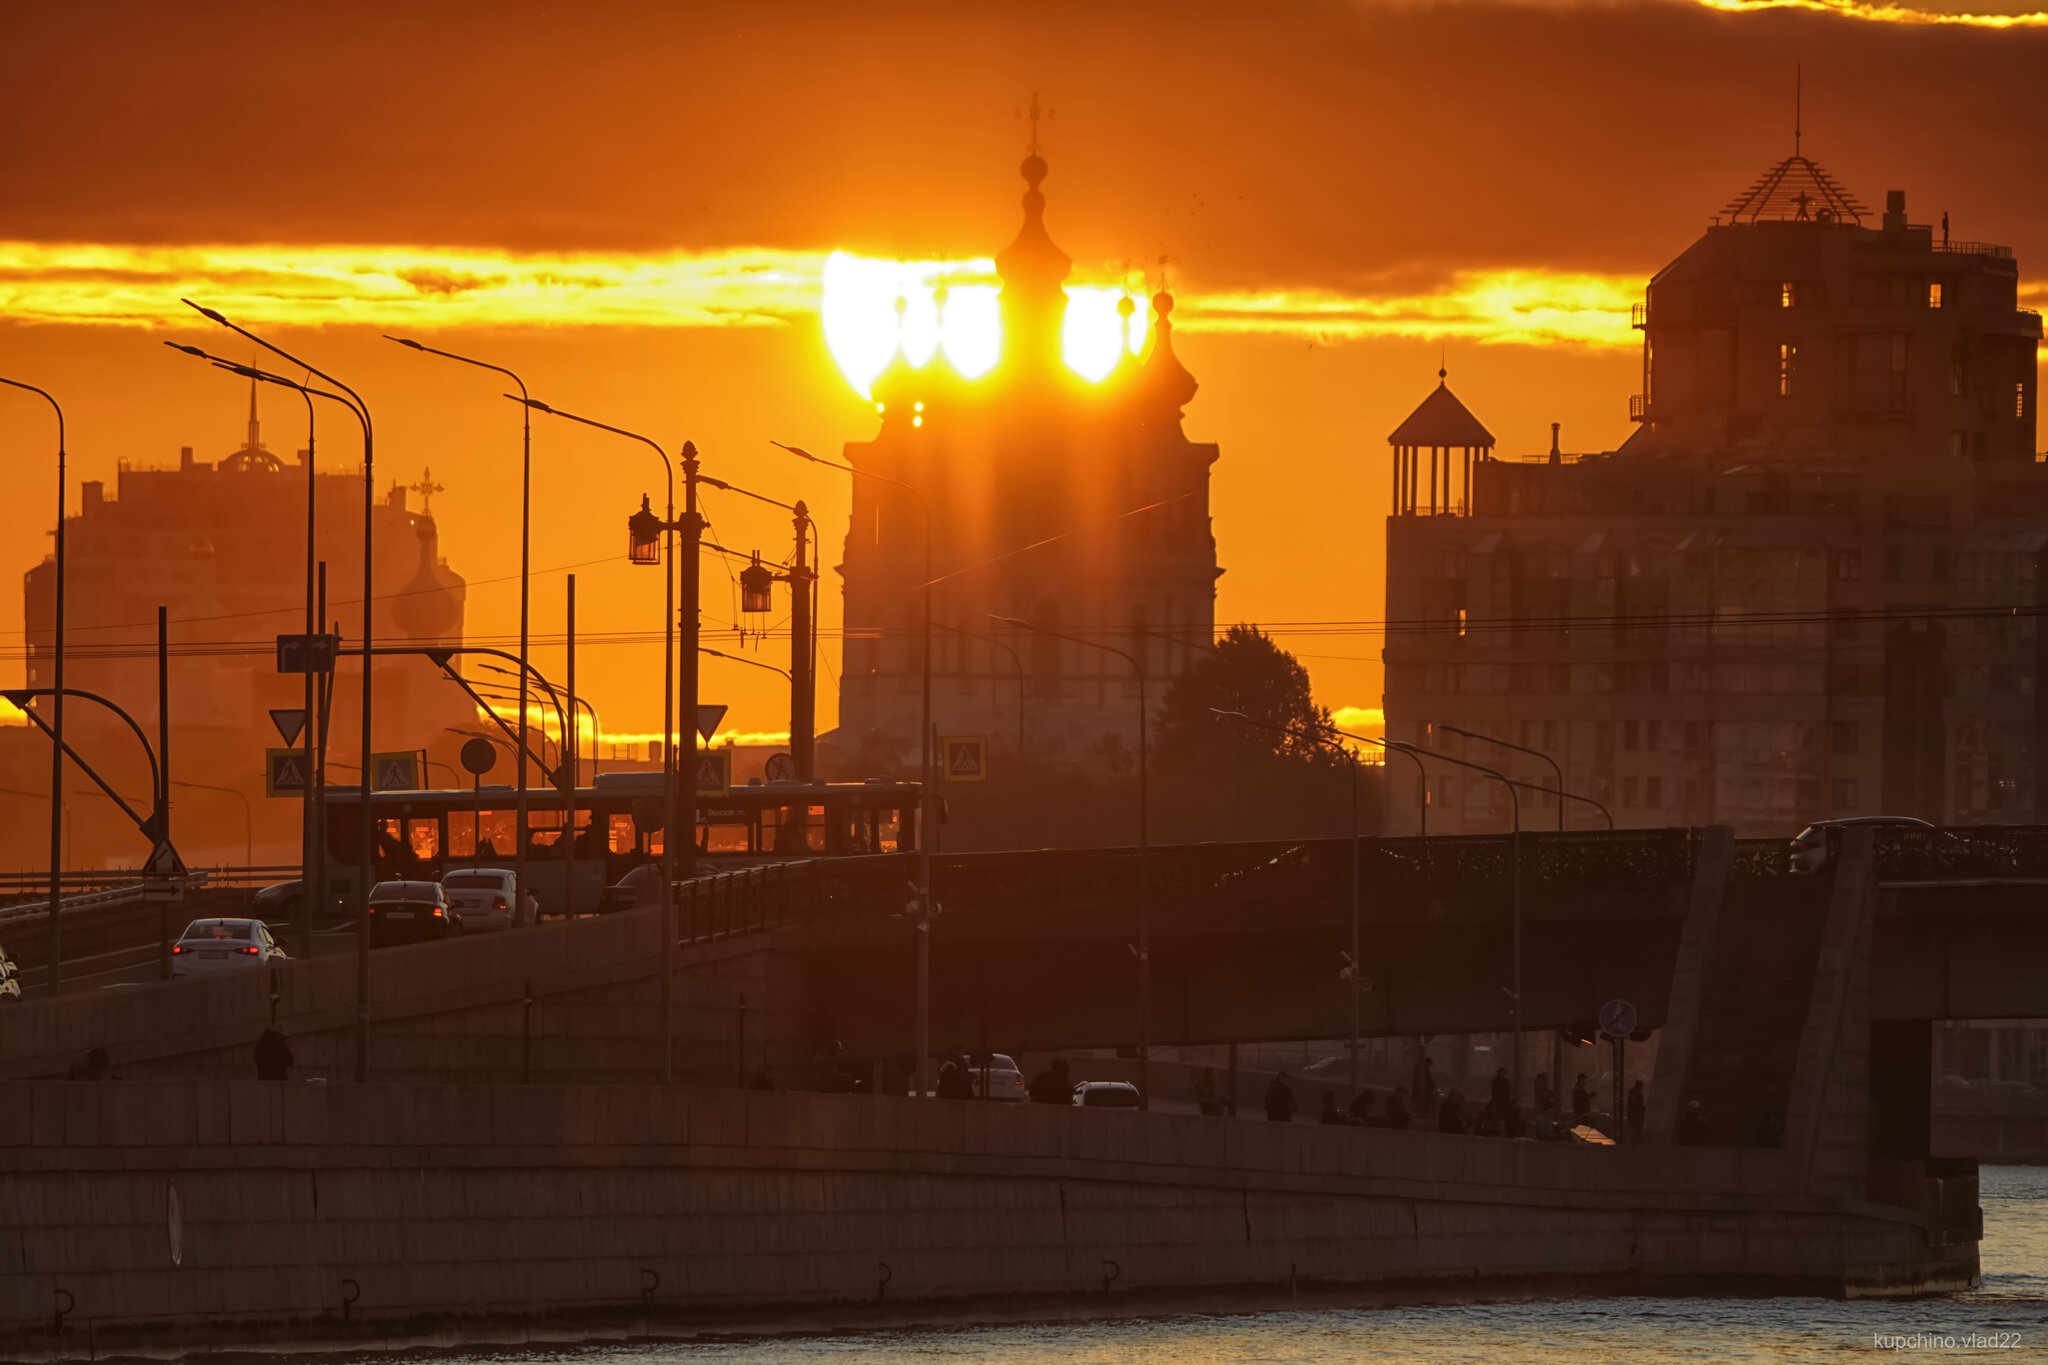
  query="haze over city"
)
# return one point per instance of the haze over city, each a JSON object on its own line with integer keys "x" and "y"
{"x": 731, "y": 678}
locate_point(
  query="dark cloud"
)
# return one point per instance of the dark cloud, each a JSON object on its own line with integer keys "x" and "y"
{"x": 1323, "y": 143}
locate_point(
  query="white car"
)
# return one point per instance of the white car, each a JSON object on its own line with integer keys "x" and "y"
{"x": 1107, "y": 1095}
{"x": 10, "y": 985}
{"x": 216, "y": 947}
{"x": 482, "y": 899}
{"x": 1810, "y": 845}
{"x": 999, "y": 1079}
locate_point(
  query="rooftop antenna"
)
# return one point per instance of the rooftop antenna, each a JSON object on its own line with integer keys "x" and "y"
{"x": 1798, "y": 102}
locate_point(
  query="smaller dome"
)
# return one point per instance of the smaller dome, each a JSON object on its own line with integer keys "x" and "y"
{"x": 1033, "y": 169}
{"x": 1125, "y": 307}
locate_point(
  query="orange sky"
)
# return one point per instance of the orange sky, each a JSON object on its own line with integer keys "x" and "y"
{"x": 1340, "y": 188}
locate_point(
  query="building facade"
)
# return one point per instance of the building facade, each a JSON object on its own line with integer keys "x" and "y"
{"x": 221, "y": 544}
{"x": 1077, "y": 506}
{"x": 1803, "y": 588}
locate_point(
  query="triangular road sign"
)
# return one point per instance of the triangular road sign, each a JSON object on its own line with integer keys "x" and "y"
{"x": 164, "y": 861}
{"x": 708, "y": 716}
{"x": 289, "y": 721}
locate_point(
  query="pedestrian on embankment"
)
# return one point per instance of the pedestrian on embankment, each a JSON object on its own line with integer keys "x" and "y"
{"x": 1209, "y": 1096}
{"x": 954, "y": 1082}
{"x": 1422, "y": 1090}
{"x": 1052, "y": 1085}
{"x": 1638, "y": 1112}
{"x": 1360, "y": 1109}
{"x": 273, "y": 1057}
{"x": 1502, "y": 1101}
{"x": 1450, "y": 1114}
{"x": 1279, "y": 1101}
{"x": 1397, "y": 1108}
{"x": 1582, "y": 1100}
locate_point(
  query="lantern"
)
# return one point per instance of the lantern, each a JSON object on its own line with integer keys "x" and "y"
{"x": 757, "y": 587}
{"x": 643, "y": 535}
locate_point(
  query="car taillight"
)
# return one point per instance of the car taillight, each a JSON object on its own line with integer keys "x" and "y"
{"x": 248, "y": 950}
{"x": 499, "y": 903}
{"x": 179, "y": 948}
{"x": 437, "y": 912}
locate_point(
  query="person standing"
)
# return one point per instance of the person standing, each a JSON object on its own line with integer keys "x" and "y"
{"x": 1209, "y": 1096}
{"x": 273, "y": 1057}
{"x": 1638, "y": 1112}
{"x": 1582, "y": 1100}
{"x": 1502, "y": 1100}
{"x": 954, "y": 1082}
{"x": 1422, "y": 1092}
{"x": 1397, "y": 1108}
{"x": 1279, "y": 1100}
{"x": 1052, "y": 1085}
{"x": 1546, "y": 1098}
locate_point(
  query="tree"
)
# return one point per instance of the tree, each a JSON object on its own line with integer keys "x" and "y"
{"x": 1249, "y": 674}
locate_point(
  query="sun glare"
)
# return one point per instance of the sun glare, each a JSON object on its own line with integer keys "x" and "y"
{"x": 871, "y": 307}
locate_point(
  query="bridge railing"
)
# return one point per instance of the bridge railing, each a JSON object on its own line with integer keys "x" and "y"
{"x": 1958, "y": 853}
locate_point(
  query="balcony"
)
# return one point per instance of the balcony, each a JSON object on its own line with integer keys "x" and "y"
{"x": 1639, "y": 315}
{"x": 1639, "y": 407}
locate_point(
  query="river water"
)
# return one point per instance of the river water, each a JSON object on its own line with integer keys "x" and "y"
{"x": 2006, "y": 1320}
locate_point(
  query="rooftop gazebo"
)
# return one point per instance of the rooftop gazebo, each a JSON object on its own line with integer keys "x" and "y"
{"x": 1440, "y": 425}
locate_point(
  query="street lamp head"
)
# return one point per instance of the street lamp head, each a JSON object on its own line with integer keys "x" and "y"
{"x": 1009, "y": 621}
{"x": 643, "y": 535}
{"x": 405, "y": 341}
{"x": 757, "y": 587}
{"x": 710, "y": 482}
{"x": 188, "y": 350}
{"x": 797, "y": 451}
{"x": 207, "y": 313}
{"x": 533, "y": 403}
{"x": 1456, "y": 730}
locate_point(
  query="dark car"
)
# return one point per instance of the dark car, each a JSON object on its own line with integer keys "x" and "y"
{"x": 637, "y": 888}
{"x": 410, "y": 912}
{"x": 279, "y": 903}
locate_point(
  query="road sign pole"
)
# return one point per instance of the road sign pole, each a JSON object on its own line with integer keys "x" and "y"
{"x": 163, "y": 793}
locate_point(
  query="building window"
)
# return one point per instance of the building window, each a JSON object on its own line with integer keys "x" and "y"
{"x": 1630, "y": 792}
{"x": 1843, "y": 793}
{"x": 1880, "y": 372}
{"x": 1934, "y": 294}
{"x": 1788, "y": 367}
{"x": 1631, "y": 734}
{"x": 1848, "y": 565}
{"x": 1788, "y": 295}
{"x": 1845, "y": 736}
{"x": 1958, "y": 444}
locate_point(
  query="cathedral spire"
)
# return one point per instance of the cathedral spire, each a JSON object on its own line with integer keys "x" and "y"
{"x": 1033, "y": 270}
{"x": 255, "y": 441}
{"x": 1165, "y": 378}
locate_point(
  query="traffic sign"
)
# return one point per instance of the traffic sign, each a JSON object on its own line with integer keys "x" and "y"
{"x": 287, "y": 772}
{"x": 307, "y": 653}
{"x": 708, "y": 716}
{"x": 398, "y": 772}
{"x": 965, "y": 758}
{"x": 714, "y": 771}
{"x": 479, "y": 755}
{"x": 162, "y": 875}
{"x": 289, "y": 721}
{"x": 1617, "y": 1019}
{"x": 780, "y": 768}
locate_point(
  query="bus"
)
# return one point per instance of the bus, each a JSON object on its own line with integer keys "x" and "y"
{"x": 423, "y": 835}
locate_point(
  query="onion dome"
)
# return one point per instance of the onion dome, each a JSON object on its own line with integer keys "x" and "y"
{"x": 429, "y": 608}
{"x": 1033, "y": 270}
{"x": 1166, "y": 381}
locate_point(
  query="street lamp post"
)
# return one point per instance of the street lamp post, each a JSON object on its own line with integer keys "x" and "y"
{"x": 521, "y": 801}
{"x": 1556, "y": 771}
{"x": 1514, "y": 886}
{"x": 755, "y": 588}
{"x": 1355, "y": 972}
{"x": 923, "y": 909}
{"x": 365, "y": 830}
{"x": 1144, "y": 847}
{"x": 679, "y": 787}
{"x": 56, "y": 707}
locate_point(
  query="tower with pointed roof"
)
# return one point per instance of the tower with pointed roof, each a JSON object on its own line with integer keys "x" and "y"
{"x": 1080, "y": 506}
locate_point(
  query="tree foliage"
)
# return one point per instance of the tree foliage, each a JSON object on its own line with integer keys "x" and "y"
{"x": 1251, "y": 675}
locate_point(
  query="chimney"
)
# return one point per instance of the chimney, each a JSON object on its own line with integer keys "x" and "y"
{"x": 184, "y": 457}
{"x": 1556, "y": 457}
{"x": 92, "y": 492}
{"x": 1894, "y": 210}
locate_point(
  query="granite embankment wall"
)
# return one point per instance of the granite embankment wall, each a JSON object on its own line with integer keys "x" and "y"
{"x": 194, "y": 1213}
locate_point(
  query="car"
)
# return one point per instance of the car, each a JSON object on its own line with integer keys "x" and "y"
{"x": 1810, "y": 845}
{"x": 410, "y": 912}
{"x": 1107, "y": 1095}
{"x": 280, "y": 901}
{"x": 481, "y": 898}
{"x": 633, "y": 890}
{"x": 221, "y": 947}
{"x": 10, "y": 983}
{"x": 998, "y": 1079}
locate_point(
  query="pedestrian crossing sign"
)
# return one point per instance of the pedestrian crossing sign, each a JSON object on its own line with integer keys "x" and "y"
{"x": 287, "y": 772}
{"x": 965, "y": 758}
{"x": 714, "y": 772}
{"x": 395, "y": 772}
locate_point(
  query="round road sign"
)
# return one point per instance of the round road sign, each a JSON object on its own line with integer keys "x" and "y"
{"x": 479, "y": 756}
{"x": 1617, "y": 1019}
